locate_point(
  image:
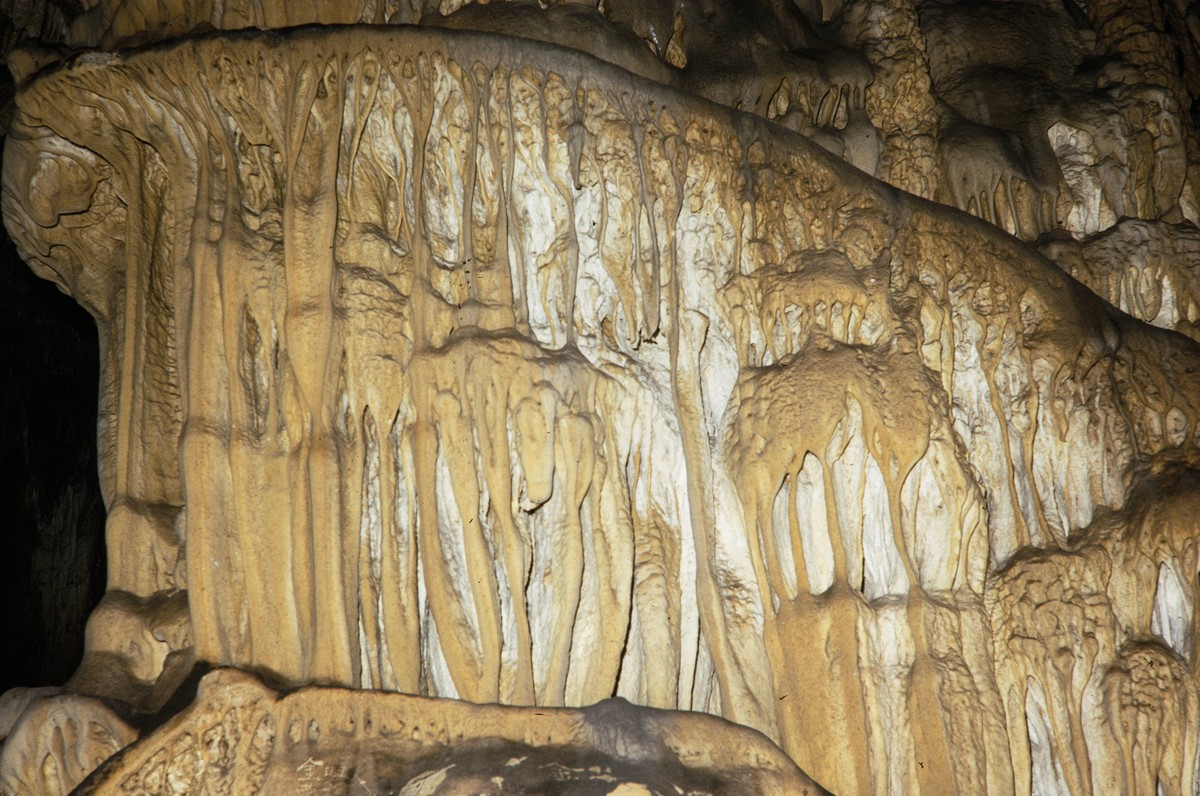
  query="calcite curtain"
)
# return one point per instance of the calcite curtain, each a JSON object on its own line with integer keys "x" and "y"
{"x": 453, "y": 364}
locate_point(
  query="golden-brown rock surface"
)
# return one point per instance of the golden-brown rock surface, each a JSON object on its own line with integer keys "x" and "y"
{"x": 450, "y": 363}
{"x": 241, "y": 737}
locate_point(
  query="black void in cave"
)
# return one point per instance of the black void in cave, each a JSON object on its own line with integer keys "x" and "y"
{"x": 52, "y": 564}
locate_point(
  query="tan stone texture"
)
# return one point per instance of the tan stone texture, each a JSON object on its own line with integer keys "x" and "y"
{"x": 443, "y": 362}
{"x": 241, "y": 737}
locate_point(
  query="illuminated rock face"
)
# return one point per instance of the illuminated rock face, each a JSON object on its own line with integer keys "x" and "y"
{"x": 443, "y": 363}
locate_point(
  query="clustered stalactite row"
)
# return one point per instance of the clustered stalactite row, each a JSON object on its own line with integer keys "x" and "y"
{"x": 1053, "y": 120}
{"x": 1031, "y": 115}
{"x": 439, "y": 365}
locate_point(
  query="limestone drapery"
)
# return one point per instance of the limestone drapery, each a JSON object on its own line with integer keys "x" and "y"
{"x": 446, "y": 366}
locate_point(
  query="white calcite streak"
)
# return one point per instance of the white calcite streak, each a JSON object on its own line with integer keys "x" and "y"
{"x": 451, "y": 364}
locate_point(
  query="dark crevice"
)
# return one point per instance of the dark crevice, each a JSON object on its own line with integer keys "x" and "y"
{"x": 52, "y": 562}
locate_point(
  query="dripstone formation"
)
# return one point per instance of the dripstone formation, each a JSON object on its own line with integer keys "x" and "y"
{"x": 517, "y": 357}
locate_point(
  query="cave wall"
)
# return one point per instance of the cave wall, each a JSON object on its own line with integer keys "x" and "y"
{"x": 450, "y": 363}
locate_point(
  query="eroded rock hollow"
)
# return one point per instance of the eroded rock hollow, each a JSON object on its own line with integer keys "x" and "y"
{"x": 542, "y": 355}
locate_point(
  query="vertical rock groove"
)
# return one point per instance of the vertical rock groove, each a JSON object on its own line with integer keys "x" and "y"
{"x": 493, "y": 372}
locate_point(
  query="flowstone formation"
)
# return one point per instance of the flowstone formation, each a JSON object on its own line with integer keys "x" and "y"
{"x": 538, "y": 356}
{"x": 241, "y": 737}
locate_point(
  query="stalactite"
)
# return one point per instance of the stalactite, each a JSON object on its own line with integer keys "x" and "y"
{"x": 492, "y": 372}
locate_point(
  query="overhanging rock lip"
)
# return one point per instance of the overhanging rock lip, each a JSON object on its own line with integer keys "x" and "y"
{"x": 515, "y": 53}
{"x": 468, "y": 44}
